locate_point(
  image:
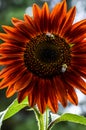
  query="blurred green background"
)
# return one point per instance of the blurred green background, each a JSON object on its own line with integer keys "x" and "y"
{"x": 25, "y": 120}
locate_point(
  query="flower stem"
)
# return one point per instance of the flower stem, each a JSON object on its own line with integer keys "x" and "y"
{"x": 41, "y": 122}
{"x": 46, "y": 118}
{"x": 40, "y": 119}
{"x": 43, "y": 119}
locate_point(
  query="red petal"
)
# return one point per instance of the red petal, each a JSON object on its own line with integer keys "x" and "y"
{"x": 23, "y": 82}
{"x": 44, "y": 21}
{"x": 68, "y": 21}
{"x": 57, "y": 16}
{"x": 74, "y": 80}
{"x": 60, "y": 89}
{"x": 10, "y": 91}
{"x": 71, "y": 94}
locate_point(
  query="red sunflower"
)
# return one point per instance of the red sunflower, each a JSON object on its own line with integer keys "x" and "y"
{"x": 44, "y": 57}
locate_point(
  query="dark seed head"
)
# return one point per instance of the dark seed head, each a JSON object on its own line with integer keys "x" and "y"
{"x": 47, "y": 55}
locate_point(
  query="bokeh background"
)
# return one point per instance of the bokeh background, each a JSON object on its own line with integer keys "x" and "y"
{"x": 25, "y": 120}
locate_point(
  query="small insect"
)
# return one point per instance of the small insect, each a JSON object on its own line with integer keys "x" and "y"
{"x": 64, "y": 68}
{"x": 50, "y": 35}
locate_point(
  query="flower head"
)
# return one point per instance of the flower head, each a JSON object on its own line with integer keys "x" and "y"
{"x": 44, "y": 57}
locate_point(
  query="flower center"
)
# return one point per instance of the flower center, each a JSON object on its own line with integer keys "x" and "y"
{"x": 47, "y": 55}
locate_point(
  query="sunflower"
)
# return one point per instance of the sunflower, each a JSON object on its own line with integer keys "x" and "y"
{"x": 44, "y": 57}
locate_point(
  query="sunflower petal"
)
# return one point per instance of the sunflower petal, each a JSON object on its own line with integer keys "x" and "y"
{"x": 71, "y": 94}
{"x": 23, "y": 93}
{"x": 41, "y": 100}
{"x": 26, "y": 78}
{"x": 57, "y": 16}
{"x": 44, "y": 24}
{"x": 13, "y": 32}
{"x": 76, "y": 82}
{"x": 69, "y": 21}
{"x": 10, "y": 91}
{"x": 61, "y": 92}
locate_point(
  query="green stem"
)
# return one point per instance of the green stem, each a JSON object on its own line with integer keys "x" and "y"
{"x": 43, "y": 119}
{"x": 40, "y": 119}
{"x": 46, "y": 118}
{"x": 41, "y": 122}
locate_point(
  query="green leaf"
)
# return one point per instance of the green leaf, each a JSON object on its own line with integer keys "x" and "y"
{"x": 15, "y": 107}
{"x": 12, "y": 109}
{"x": 68, "y": 117}
{"x": 73, "y": 118}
